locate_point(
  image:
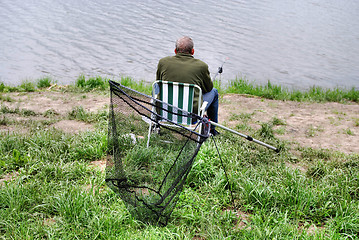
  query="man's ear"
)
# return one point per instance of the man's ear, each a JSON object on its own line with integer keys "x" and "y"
{"x": 175, "y": 51}
{"x": 192, "y": 51}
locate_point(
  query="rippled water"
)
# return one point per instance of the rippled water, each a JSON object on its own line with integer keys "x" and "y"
{"x": 293, "y": 43}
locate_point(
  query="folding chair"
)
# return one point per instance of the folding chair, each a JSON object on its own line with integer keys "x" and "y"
{"x": 177, "y": 95}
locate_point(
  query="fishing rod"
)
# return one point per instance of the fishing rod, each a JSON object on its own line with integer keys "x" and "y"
{"x": 220, "y": 70}
{"x": 249, "y": 138}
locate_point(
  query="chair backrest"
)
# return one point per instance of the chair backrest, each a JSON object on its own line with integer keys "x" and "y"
{"x": 180, "y": 95}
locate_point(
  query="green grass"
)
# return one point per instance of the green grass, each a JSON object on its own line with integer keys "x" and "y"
{"x": 239, "y": 86}
{"x": 92, "y": 83}
{"x": 78, "y": 113}
{"x": 270, "y": 91}
{"x": 58, "y": 194}
{"x": 44, "y": 82}
{"x": 139, "y": 86}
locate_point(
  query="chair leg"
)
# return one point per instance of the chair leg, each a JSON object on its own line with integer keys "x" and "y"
{"x": 149, "y": 134}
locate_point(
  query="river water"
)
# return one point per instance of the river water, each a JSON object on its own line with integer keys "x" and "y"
{"x": 295, "y": 43}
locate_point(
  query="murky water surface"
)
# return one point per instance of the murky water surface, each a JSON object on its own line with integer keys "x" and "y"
{"x": 294, "y": 43}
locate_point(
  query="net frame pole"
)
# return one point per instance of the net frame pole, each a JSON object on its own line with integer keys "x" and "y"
{"x": 249, "y": 138}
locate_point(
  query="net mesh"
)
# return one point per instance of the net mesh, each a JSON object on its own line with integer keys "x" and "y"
{"x": 149, "y": 175}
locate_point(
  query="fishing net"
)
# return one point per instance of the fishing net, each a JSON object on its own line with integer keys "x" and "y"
{"x": 149, "y": 175}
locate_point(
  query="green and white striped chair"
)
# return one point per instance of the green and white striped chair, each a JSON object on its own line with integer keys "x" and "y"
{"x": 180, "y": 95}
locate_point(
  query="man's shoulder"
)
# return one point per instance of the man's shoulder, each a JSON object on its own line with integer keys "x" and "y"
{"x": 200, "y": 62}
{"x": 184, "y": 60}
{"x": 166, "y": 58}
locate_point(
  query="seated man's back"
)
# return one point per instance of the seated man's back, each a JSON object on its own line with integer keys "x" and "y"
{"x": 183, "y": 67}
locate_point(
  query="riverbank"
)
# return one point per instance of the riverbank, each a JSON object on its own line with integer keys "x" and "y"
{"x": 327, "y": 125}
{"x": 53, "y": 146}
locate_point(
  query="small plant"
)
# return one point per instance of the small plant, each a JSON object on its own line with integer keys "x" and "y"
{"x": 312, "y": 131}
{"x": 44, "y": 82}
{"x": 2, "y": 87}
{"x": 241, "y": 116}
{"x": 348, "y": 131}
{"x": 356, "y": 122}
{"x": 81, "y": 81}
{"x": 139, "y": 86}
{"x": 27, "y": 112}
{"x": 5, "y": 109}
{"x": 19, "y": 160}
{"x": 318, "y": 171}
{"x": 92, "y": 83}
{"x": 27, "y": 86}
{"x": 78, "y": 113}
{"x": 280, "y": 130}
{"x": 6, "y": 98}
{"x": 243, "y": 126}
{"x": 266, "y": 131}
{"x": 4, "y": 121}
{"x": 276, "y": 121}
{"x": 50, "y": 113}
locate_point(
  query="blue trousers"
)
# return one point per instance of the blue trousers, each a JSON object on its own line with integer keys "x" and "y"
{"x": 212, "y": 107}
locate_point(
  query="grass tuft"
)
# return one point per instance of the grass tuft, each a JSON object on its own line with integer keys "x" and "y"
{"x": 27, "y": 86}
{"x": 44, "y": 82}
{"x": 139, "y": 86}
{"x": 93, "y": 83}
{"x": 314, "y": 94}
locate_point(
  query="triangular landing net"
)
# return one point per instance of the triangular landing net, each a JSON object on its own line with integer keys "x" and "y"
{"x": 149, "y": 178}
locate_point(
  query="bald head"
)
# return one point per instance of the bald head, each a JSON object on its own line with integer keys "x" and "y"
{"x": 184, "y": 45}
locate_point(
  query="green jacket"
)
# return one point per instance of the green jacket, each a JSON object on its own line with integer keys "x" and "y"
{"x": 186, "y": 69}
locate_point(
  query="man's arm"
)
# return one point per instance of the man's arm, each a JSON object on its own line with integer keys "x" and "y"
{"x": 206, "y": 79}
{"x": 158, "y": 73}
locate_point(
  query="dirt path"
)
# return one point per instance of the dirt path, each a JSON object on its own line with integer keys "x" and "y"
{"x": 318, "y": 125}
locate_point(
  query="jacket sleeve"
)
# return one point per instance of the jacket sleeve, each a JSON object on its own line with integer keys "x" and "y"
{"x": 158, "y": 73}
{"x": 206, "y": 79}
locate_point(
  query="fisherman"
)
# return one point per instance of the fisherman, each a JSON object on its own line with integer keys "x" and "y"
{"x": 183, "y": 67}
